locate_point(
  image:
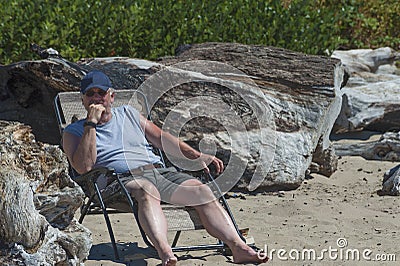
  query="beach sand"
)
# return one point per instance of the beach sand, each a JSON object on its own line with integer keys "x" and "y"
{"x": 342, "y": 214}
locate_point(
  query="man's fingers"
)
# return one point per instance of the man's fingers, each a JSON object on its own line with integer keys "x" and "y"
{"x": 220, "y": 166}
{"x": 95, "y": 112}
{"x": 206, "y": 169}
{"x": 207, "y": 159}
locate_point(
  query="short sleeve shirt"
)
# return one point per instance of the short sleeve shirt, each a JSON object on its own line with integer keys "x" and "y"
{"x": 121, "y": 143}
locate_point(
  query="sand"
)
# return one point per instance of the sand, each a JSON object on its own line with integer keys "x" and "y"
{"x": 338, "y": 218}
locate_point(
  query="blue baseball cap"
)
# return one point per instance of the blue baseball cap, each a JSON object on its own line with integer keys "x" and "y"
{"x": 95, "y": 79}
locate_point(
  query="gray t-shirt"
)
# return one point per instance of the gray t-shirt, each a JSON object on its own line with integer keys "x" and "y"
{"x": 120, "y": 143}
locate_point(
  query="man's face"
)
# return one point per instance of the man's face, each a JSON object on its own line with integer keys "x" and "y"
{"x": 98, "y": 96}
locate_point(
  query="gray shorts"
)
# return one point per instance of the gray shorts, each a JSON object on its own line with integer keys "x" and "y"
{"x": 166, "y": 180}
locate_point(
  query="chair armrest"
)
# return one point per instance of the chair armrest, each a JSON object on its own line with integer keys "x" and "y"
{"x": 93, "y": 174}
{"x": 88, "y": 179}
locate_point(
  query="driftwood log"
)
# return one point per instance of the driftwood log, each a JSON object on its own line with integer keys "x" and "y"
{"x": 387, "y": 148}
{"x": 371, "y": 96}
{"x": 38, "y": 201}
{"x": 303, "y": 94}
{"x": 391, "y": 182}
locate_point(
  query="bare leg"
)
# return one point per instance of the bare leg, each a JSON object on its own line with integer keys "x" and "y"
{"x": 215, "y": 219}
{"x": 152, "y": 219}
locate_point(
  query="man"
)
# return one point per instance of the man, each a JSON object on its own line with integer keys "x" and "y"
{"x": 118, "y": 138}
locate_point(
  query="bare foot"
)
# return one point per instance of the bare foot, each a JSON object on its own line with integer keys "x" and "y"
{"x": 245, "y": 254}
{"x": 169, "y": 261}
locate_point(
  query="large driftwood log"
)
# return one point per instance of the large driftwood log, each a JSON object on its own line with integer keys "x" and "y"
{"x": 303, "y": 93}
{"x": 371, "y": 96}
{"x": 38, "y": 201}
{"x": 298, "y": 93}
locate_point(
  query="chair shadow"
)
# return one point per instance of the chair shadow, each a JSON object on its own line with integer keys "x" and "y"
{"x": 129, "y": 253}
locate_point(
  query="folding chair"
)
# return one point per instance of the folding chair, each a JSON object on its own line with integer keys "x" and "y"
{"x": 69, "y": 108}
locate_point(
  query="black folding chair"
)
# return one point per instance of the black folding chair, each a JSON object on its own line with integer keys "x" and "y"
{"x": 69, "y": 108}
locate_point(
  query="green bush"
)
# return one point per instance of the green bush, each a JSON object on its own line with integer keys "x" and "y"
{"x": 149, "y": 28}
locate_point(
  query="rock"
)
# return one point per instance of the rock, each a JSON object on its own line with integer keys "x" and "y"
{"x": 38, "y": 201}
{"x": 371, "y": 96}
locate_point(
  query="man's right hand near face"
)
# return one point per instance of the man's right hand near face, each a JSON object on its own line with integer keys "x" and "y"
{"x": 95, "y": 113}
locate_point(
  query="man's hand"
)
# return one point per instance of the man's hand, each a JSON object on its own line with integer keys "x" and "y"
{"x": 207, "y": 159}
{"x": 95, "y": 112}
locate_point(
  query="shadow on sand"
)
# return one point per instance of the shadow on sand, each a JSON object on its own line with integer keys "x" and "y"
{"x": 131, "y": 254}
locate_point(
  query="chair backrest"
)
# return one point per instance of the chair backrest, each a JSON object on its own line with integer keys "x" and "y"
{"x": 68, "y": 105}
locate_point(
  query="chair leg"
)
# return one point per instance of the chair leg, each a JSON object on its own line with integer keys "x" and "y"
{"x": 85, "y": 209}
{"x": 176, "y": 238}
{"x": 107, "y": 219}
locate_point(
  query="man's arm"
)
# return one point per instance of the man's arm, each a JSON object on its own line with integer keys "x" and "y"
{"x": 82, "y": 152}
{"x": 172, "y": 145}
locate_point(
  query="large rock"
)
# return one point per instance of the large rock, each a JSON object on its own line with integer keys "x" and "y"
{"x": 38, "y": 201}
{"x": 265, "y": 111}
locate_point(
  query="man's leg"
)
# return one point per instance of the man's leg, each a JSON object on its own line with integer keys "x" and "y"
{"x": 151, "y": 217}
{"x": 214, "y": 218}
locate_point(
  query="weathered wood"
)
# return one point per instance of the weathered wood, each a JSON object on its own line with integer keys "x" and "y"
{"x": 391, "y": 182}
{"x": 387, "y": 148}
{"x": 302, "y": 91}
{"x": 371, "y": 97}
{"x": 38, "y": 201}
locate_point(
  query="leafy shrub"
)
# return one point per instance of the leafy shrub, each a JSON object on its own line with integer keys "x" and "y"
{"x": 150, "y": 28}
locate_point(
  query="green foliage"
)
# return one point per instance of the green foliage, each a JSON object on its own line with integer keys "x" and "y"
{"x": 153, "y": 28}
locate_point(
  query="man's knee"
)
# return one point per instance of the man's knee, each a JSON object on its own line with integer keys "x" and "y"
{"x": 142, "y": 190}
{"x": 199, "y": 189}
